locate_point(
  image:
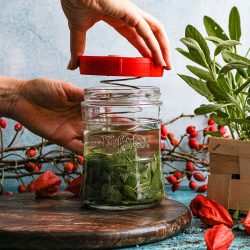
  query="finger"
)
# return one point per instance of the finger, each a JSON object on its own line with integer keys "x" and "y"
{"x": 143, "y": 30}
{"x": 74, "y": 94}
{"x": 75, "y": 146}
{"x": 160, "y": 35}
{"x": 131, "y": 35}
{"x": 77, "y": 47}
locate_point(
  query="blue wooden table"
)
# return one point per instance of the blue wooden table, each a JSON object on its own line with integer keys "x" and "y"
{"x": 193, "y": 236}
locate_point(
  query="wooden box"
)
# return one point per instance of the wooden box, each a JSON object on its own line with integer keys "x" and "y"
{"x": 229, "y": 181}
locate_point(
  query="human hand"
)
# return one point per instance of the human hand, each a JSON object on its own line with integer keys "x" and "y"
{"x": 141, "y": 29}
{"x": 51, "y": 109}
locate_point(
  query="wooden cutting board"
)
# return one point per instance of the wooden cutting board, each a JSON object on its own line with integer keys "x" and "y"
{"x": 61, "y": 223}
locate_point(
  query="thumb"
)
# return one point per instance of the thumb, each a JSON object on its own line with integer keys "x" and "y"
{"x": 77, "y": 47}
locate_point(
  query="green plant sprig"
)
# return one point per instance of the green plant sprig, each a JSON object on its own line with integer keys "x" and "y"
{"x": 227, "y": 86}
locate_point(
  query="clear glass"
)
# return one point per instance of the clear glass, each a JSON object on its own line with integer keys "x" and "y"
{"x": 122, "y": 148}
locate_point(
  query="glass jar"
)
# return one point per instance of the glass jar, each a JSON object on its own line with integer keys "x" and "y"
{"x": 123, "y": 167}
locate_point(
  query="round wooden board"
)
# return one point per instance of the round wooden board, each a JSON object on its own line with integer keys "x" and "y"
{"x": 61, "y": 223}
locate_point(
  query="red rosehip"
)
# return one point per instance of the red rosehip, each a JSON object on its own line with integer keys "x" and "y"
{"x": 193, "y": 143}
{"x": 80, "y": 159}
{"x": 202, "y": 189}
{"x": 162, "y": 145}
{"x": 193, "y": 134}
{"x": 163, "y": 137}
{"x": 190, "y": 129}
{"x": 177, "y": 175}
{"x": 174, "y": 142}
{"x": 199, "y": 176}
{"x": 212, "y": 128}
{"x": 69, "y": 167}
{"x": 190, "y": 166}
{"x": 170, "y": 136}
{"x": 176, "y": 186}
{"x": 164, "y": 130}
{"x": 3, "y": 123}
{"x": 222, "y": 130}
{"x": 210, "y": 122}
{"x": 22, "y": 189}
{"x": 171, "y": 179}
{"x": 31, "y": 187}
{"x": 192, "y": 185}
{"x": 9, "y": 193}
{"x": 18, "y": 127}
{"x": 31, "y": 152}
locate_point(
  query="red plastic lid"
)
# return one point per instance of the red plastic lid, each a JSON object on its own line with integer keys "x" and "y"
{"x": 119, "y": 66}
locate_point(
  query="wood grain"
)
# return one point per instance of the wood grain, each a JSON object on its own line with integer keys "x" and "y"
{"x": 60, "y": 223}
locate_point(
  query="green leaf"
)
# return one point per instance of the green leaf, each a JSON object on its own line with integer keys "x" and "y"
{"x": 192, "y": 32}
{"x": 217, "y": 91}
{"x": 214, "y": 29}
{"x": 188, "y": 55}
{"x": 223, "y": 83}
{"x": 221, "y": 114}
{"x": 232, "y": 57}
{"x": 243, "y": 73}
{"x": 239, "y": 121}
{"x": 214, "y": 39}
{"x": 214, "y": 133}
{"x": 218, "y": 120}
{"x": 234, "y": 24}
{"x": 234, "y": 65}
{"x": 202, "y": 74}
{"x": 208, "y": 108}
{"x": 225, "y": 45}
{"x": 195, "y": 51}
{"x": 236, "y": 213}
{"x": 199, "y": 86}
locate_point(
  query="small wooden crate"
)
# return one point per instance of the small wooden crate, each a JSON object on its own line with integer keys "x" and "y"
{"x": 229, "y": 181}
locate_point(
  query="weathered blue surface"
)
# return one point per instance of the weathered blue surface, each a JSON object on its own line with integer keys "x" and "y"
{"x": 193, "y": 236}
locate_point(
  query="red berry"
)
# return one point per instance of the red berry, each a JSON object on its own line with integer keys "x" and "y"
{"x": 31, "y": 152}
{"x": 9, "y": 193}
{"x": 199, "y": 176}
{"x": 162, "y": 145}
{"x": 190, "y": 166}
{"x": 176, "y": 186}
{"x": 177, "y": 175}
{"x": 18, "y": 127}
{"x": 3, "y": 123}
{"x": 31, "y": 187}
{"x": 193, "y": 134}
{"x": 190, "y": 129}
{"x": 163, "y": 137}
{"x": 193, "y": 143}
{"x": 69, "y": 167}
{"x": 212, "y": 128}
{"x": 80, "y": 159}
{"x": 222, "y": 130}
{"x": 192, "y": 185}
{"x": 174, "y": 142}
{"x": 202, "y": 189}
{"x": 171, "y": 179}
{"x": 164, "y": 130}
{"x": 22, "y": 189}
{"x": 210, "y": 122}
{"x": 170, "y": 136}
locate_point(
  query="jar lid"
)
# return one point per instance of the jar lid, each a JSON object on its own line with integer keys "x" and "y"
{"x": 119, "y": 66}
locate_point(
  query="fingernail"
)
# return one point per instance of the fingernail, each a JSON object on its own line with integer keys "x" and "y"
{"x": 168, "y": 67}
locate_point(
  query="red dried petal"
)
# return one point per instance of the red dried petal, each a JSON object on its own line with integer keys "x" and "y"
{"x": 219, "y": 237}
{"x": 197, "y": 203}
{"x": 47, "y": 184}
{"x": 212, "y": 213}
{"x": 246, "y": 223}
{"x": 75, "y": 186}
